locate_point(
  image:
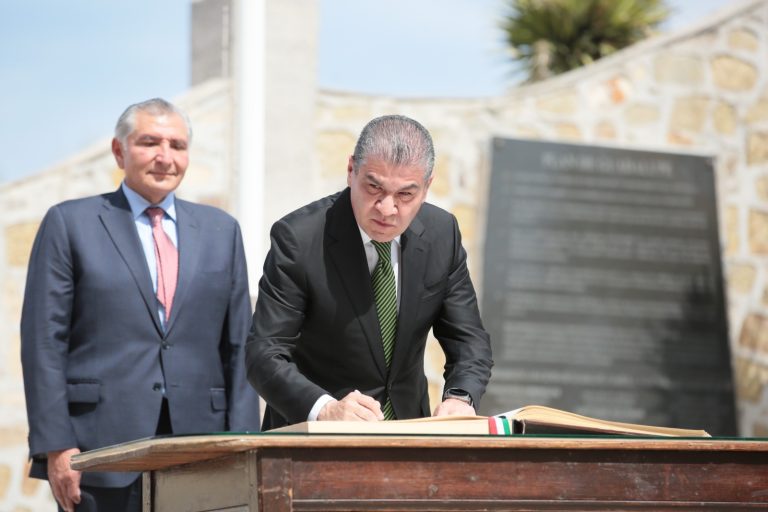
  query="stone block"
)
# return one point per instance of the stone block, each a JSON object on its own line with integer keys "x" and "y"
{"x": 527, "y": 132}
{"x": 568, "y": 131}
{"x": 733, "y": 74}
{"x": 754, "y": 333}
{"x": 758, "y": 232}
{"x": 743, "y": 39}
{"x": 357, "y": 114}
{"x": 619, "y": 89}
{"x": 18, "y": 242}
{"x": 678, "y": 69}
{"x": 5, "y": 480}
{"x": 562, "y": 102}
{"x": 725, "y": 118}
{"x": 641, "y": 113}
{"x": 690, "y": 114}
{"x": 13, "y": 436}
{"x": 675, "y": 138}
{"x": 605, "y": 130}
{"x": 757, "y": 112}
{"x": 761, "y": 188}
{"x": 757, "y": 148}
{"x": 466, "y": 215}
{"x": 741, "y": 278}
{"x": 751, "y": 379}
{"x": 728, "y": 166}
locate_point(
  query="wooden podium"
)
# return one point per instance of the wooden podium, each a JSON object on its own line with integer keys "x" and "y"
{"x": 282, "y": 472}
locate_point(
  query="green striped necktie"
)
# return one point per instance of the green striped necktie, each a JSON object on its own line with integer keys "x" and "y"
{"x": 385, "y": 295}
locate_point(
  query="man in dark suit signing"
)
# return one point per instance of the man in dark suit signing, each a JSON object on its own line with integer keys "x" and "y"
{"x": 351, "y": 287}
{"x": 135, "y": 314}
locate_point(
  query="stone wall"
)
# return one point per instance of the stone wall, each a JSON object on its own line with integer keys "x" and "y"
{"x": 702, "y": 90}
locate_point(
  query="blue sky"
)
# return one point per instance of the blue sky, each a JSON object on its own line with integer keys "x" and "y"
{"x": 68, "y": 68}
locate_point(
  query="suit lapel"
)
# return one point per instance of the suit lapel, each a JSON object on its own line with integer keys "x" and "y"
{"x": 118, "y": 220}
{"x": 189, "y": 249}
{"x": 413, "y": 259}
{"x": 345, "y": 248}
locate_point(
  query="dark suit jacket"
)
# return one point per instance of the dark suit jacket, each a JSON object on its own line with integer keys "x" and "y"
{"x": 94, "y": 354}
{"x": 315, "y": 329}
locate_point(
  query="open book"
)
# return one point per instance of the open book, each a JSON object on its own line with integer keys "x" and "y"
{"x": 462, "y": 425}
{"x": 538, "y": 419}
{"x": 531, "y": 419}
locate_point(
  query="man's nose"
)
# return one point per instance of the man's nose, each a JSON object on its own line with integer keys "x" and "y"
{"x": 387, "y": 206}
{"x": 163, "y": 153}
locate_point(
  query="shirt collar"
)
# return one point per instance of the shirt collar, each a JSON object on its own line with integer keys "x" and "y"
{"x": 367, "y": 239}
{"x": 138, "y": 204}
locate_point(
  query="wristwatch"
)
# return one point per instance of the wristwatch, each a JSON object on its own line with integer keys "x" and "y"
{"x": 458, "y": 394}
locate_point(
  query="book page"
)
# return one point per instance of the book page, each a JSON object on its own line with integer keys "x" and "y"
{"x": 545, "y": 419}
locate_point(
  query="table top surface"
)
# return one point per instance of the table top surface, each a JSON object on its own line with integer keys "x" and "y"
{"x": 166, "y": 451}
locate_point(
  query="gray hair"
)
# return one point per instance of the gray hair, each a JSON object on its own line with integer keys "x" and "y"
{"x": 126, "y": 123}
{"x": 398, "y": 140}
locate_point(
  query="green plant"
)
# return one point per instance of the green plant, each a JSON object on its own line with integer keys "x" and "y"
{"x": 554, "y": 36}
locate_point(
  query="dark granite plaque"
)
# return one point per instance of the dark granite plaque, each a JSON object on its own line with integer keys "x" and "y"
{"x": 603, "y": 288}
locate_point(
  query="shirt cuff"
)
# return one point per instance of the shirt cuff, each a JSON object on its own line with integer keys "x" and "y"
{"x": 318, "y": 406}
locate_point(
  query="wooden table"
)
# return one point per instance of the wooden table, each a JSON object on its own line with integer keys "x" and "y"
{"x": 282, "y": 472}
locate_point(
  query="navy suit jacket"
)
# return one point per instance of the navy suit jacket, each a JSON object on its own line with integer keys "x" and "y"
{"x": 315, "y": 329}
{"x": 95, "y": 357}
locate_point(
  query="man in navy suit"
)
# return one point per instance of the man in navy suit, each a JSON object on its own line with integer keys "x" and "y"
{"x": 111, "y": 350}
{"x": 323, "y": 345}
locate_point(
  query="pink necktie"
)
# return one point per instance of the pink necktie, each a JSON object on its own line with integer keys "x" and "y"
{"x": 167, "y": 258}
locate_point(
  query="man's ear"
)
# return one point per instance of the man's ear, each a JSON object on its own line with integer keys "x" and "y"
{"x": 350, "y": 169}
{"x": 429, "y": 182}
{"x": 117, "y": 150}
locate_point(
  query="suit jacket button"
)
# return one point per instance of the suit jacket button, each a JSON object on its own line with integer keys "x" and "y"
{"x": 165, "y": 345}
{"x": 157, "y": 386}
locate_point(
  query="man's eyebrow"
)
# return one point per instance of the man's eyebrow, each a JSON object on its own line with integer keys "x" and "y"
{"x": 150, "y": 137}
{"x": 411, "y": 186}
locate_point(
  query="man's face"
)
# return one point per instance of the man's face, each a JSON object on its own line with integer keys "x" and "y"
{"x": 386, "y": 197}
{"x": 154, "y": 156}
